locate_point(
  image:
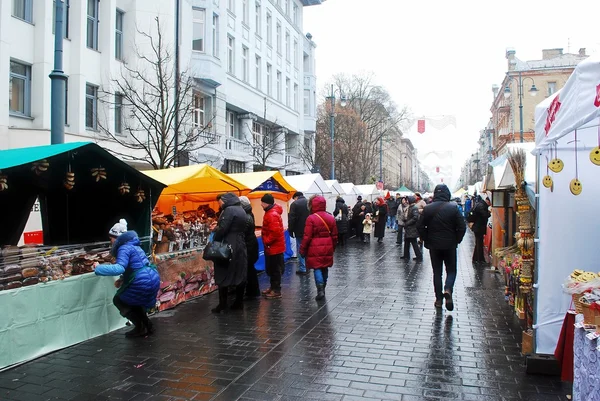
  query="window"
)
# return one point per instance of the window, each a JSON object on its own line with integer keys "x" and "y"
{"x": 91, "y": 106}
{"x": 307, "y": 102}
{"x": 231, "y": 6}
{"x": 269, "y": 29}
{"x": 258, "y": 72}
{"x": 245, "y": 12}
{"x": 296, "y": 53}
{"x": 295, "y": 14}
{"x": 245, "y": 64}
{"x": 258, "y": 21}
{"x": 296, "y": 97}
{"x": 232, "y": 131}
{"x": 269, "y": 80}
{"x": 551, "y": 88}
{"x": 287, "y": 46}
{"x": 198, "y": 110}
{"x": 234, "y": 167}
{"x": 118, "y": 114}
{"x": 22, "y": 9}
{"x": 278, "y": 37}
{"x": 19, "y": 89}
{"x": 198, "y": 16}
{"x": 259, "y": 132}
{"x": 230, "y": 55}
{"x": 65, "y": 18}
{"x": 288, "y": 92}
{"x": 215, "y": 35}
{"x": 279, "y": 86}
{"x": 119, "y": 35}
{"x": 92, "y": 24}
{"x": 287, "y": 7}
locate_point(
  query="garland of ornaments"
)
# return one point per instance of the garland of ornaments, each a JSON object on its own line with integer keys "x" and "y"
{"x": 98, "y": 174}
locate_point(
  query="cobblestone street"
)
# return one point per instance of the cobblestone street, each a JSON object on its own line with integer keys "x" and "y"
{"x": 377, "y": 337}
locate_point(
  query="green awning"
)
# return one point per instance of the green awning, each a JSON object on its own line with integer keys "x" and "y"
{"x": 17, "y": 157}
{"x": 403, "y": 189}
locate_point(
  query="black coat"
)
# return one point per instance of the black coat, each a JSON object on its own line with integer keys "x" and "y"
{"x": 393, "y": 206}
{"x": 250, "y": 236}
{"x": 441, "y": 225}
{"x": 381, "y": 220}
{"x": 480, "y": 217}
{"x": 341, "y": 207}
{"x": 297, "y": 217}
{"x": 231, "y": 228}
{"x": 410, "y": 224}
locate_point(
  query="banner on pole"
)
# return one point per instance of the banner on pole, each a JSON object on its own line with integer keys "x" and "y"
{"x": 420, "y": 126}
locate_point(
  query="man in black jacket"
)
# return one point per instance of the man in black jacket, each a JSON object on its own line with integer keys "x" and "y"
{"x": 479, "y": 217}
{"x": 442, "y": 227}
{"x": 296, "y": 221}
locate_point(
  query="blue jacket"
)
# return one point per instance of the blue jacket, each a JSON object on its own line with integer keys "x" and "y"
{"x": 141, "y": 281}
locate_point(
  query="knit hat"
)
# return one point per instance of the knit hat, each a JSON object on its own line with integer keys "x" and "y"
{"x": 244, "y": 200}
{"x": 268, "y": 199}
{"x": 118, "y": 228}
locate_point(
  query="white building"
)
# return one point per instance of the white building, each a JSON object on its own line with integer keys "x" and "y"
{"x": 253, "y": 70}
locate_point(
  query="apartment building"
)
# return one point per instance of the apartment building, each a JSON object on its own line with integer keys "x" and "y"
{"x": 252, "y": 66}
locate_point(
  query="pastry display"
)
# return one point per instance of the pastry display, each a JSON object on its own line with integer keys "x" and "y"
{"x": 187, "y": 230}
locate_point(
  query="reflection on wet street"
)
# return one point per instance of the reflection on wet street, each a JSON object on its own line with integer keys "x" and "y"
{"x": 377, "y": 337}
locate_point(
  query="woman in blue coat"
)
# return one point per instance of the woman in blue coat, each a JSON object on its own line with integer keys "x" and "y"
{"x": 139, "y": 282}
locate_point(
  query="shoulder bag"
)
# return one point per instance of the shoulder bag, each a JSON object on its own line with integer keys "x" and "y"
{"x": 217, "y": 251}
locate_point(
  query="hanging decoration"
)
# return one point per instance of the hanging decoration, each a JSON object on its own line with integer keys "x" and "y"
{"x": 595, "y": 153}
{"x": 547, "y": 180}
{"x": 99, "y": 173}
{"x": 556, "y": 165}
{"x": 40, "y": 166}
{"x": 3, "y": 182}
{"x": 69, "y": 182}
{"x": 140, "y": 195}
{"x": 575, "y": 185}
{"x": 124, "y": 188}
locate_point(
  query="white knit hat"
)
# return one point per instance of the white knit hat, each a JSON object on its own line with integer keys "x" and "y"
{"x": 244, "y": 200}
{"x": 118, "y": 228}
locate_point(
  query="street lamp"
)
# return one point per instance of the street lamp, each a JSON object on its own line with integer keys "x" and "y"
{"x": 532, "y": 91}
{"x": 343, "y": 101}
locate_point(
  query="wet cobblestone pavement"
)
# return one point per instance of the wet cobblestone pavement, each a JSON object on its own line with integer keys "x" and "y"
{"x": 377, "y": 337}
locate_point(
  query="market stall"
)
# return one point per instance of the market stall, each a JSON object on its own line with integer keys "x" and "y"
{"x": 351, "y": 193}
{"x": 370, "y": 192}
{"x": 336, "y": 191}
{"x": 181, "y": 226}
{"x": 47, "y": 288}
{"x": 403, "y": 191}
{"x": 567, "y": 141}
{"x": 309, "y": 185}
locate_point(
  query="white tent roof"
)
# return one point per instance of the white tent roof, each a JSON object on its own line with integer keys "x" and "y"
{"x": 335, "y": 187}
{"x": 309, "y": 184}
{"x": 350, "y": 189}
{"x": 501, "y": 175}
{"x": 368, "y": 189}
{"x": 575, "y": 106}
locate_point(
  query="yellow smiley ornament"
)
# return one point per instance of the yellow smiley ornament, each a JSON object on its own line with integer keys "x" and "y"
{"x": 595, "y": 156}
{"x": 547, "y": 181}
{"x": 556, "y": 165}
{"x": 575, "y": 186}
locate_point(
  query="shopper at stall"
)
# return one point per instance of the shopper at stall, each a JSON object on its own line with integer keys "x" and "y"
{"x": 231, "y": 229}
{"x": 442, "y": 227}
{"x": 274, "y": 242}
{"x": 341, "y": 219}
{"x": 139, "y": 282}
{"x": 319, "y": 242}
{"x": 381, "y": 212}
{"x": 296, "y": 221}
{"x": 410, "y": 230}
{"x": 250, "y": 287}
{"x": 357, "y": 218}
{"x": 479, "y": 216}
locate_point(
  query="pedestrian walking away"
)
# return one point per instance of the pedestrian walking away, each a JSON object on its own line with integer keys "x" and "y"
{"x": 274, "y": 243}
{"x": 341, "y": 219}
{"x": 410, "y": 230}
{"x": 380, "y": 219}
{"x": 139, "y": 282}
{"x": 250, "y": 287}
{"x": 393, "y": 204}
{"x": 296, "y": 221}
{"x": 319, "y": 242}
{"x": 442, "y": 227}
{"x": 231, "y": 229}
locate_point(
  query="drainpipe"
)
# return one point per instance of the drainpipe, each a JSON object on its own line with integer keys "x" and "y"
{"x": 58, "y": 81}
{"x": 177, "y": 89}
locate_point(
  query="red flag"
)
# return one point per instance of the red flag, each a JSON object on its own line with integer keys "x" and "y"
{"x": 420, "y": 126}
{"x": 437, "y": 169}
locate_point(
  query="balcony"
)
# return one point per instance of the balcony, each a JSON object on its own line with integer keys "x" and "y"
{"x": 236, "y": 145}
{"x": 209, "y": 138}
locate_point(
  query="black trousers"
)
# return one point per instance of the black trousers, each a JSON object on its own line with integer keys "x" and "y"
{"x": 399, "y": 235}
{"x": 439, "y": 258}
{"x": 251, "y": 284}
{"x": 342, "y": 239}
{"x": 136, "y": 314}
{"x": 478, "y": 250}
{"x": 274, "y": 266}
{"x": 407, "y": 243}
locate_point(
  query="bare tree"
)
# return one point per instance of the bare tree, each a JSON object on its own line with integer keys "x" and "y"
{"x": 158, "y": 126}
{"x": 268, "y": 140}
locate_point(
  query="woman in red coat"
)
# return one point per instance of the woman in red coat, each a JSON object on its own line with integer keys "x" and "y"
{"x": 319, "y": 241}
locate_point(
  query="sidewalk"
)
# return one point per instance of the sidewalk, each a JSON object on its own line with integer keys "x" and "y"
{"x": 377, "y": 337}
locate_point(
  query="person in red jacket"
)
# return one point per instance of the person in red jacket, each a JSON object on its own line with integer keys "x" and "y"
{"x": 319, "y": 241}
{"x": 273, "y": 239}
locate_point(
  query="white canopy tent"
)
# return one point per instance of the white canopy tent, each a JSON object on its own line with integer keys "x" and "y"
{"x": 351, "y": 193}
{"x": 311, "y": 184}
{"x": 370, "y": 192}
{"x": 336, "y": 191}
{"x": 567, "y": 235}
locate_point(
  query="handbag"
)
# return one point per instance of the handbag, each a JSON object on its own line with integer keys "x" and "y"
{"x": 217, "y": 251}
{"x": 338, "y": 217}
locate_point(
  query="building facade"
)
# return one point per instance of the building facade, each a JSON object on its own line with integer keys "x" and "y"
{"x": 252, "y": 67}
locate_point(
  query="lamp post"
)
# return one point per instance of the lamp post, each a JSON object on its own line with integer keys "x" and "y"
{"x": 532, "y": 91}
{"x": 343, "y": 100}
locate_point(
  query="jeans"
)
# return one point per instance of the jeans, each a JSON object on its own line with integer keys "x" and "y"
{"x": 301, "y": 261}
{"x": 391, "y": 221}
{"x": 274, "y": 266}
{"x": 439, "y": 257}
{"x": 321, "y": 276}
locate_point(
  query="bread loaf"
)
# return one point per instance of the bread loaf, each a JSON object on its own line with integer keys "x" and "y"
{"x": 12, "y": 269}
{"x": 30, "y": 272}
{"x": 10, "y": 278}
{"x": 12, "y": 285}
{"x": 30, "y": 262}
{"x": 11, "y": 251}
{"x": 30, "y": 281}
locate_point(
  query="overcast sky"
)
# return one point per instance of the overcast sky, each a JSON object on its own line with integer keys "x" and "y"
{"x": 441, "y": 57}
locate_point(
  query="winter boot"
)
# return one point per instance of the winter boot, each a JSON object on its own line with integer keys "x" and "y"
{"x": 320, "y": 292}
{"x": 147, "y": 323}
{"x": 139, "y": 330}
{"x": 222, "y": 306}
